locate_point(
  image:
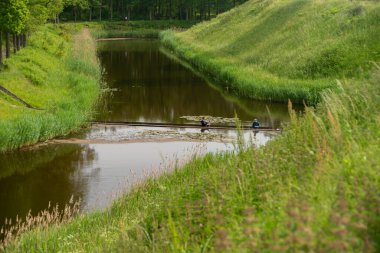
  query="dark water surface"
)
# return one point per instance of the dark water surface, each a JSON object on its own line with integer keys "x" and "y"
{"x": 149, "y": 87}
{"x": 152, "y": 87}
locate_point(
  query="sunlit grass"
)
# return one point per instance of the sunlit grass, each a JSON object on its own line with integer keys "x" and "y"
{"x": 315, "y": 188}
{"x": 58, "y": 74}
{"x": 280, "y": 50}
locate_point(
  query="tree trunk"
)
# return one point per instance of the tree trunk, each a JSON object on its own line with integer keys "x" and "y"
{"x": 90, "y": 13}
{"x": 159, "y": 10}
{"x": 209, "y": 9}
{"x": 122, "y": 9}
{"x": 203, "y": 10}
{"x": 170, "y": 9}
{"x": 18, "y": 42}
{"x": 7, "y": 46}
{"x": 111, "y": 9}
{"x": 14, "y": 43}
{"x": 24, "y": 40}
{"x": 1, "y": 47}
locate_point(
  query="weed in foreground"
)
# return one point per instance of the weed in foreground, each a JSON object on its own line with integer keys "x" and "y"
{"x": 51, "y": 216}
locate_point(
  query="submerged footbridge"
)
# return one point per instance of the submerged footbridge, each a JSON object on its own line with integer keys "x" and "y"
{"x": 174, "y": 125}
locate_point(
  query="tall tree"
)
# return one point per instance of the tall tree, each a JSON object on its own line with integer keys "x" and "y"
{"x": 14, "y": 15}
{"x": 1, "y": 47}
{"x": 148, "y": 9}
{"x": 77, "y": 6}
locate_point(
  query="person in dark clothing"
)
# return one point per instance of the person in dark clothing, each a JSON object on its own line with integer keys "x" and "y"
{"x": 255, "y": 124}
{"x": 204, "y": 123}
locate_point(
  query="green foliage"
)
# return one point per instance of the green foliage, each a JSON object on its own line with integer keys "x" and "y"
{"x": 13, "y": 15}
{"x": 38, "y": 14}
{"x": 42, "y": 10}
{"x": 82, "y": 4}
{"x": 61, "y": 78}
{"x": 145, "y": 9}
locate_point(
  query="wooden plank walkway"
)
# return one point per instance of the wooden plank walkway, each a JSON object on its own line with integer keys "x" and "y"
{"x": 176, "y": 125}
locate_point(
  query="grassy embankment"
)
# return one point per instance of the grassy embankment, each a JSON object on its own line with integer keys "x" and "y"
{"x": 136, "y": 29}
{"x": 313, "y": 189}
{"x": 280, "y": 50}
{"x": 57, "y": 73}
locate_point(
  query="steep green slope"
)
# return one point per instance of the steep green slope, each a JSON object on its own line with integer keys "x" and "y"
{"x": 58, "y": 74}
{"x": 315, "y": 188}
{"x": 275, "y": 50}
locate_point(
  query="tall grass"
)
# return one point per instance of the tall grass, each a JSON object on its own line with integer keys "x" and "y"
{"x": 313, "y": 189}
{"x": 59, "y": 74}
{"x": 280, "y": 50}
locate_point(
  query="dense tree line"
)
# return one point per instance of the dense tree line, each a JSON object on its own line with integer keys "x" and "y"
{"x": 145, "y": 9}
{"x": 20, "y": 17}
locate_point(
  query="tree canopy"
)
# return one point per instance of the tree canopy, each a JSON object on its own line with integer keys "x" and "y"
{"x": 145, "y": 9}
{"x": 14, "y": 15}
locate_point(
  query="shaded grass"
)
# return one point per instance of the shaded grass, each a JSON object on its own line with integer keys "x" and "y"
{"x": 280, "y": 50}
{"x": 58, "y": 73}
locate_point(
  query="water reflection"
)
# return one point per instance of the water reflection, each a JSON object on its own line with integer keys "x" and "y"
{"x": 91, "y": 172}
{"x": 152, "y": 87}
{"x": 41, "y": 176}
